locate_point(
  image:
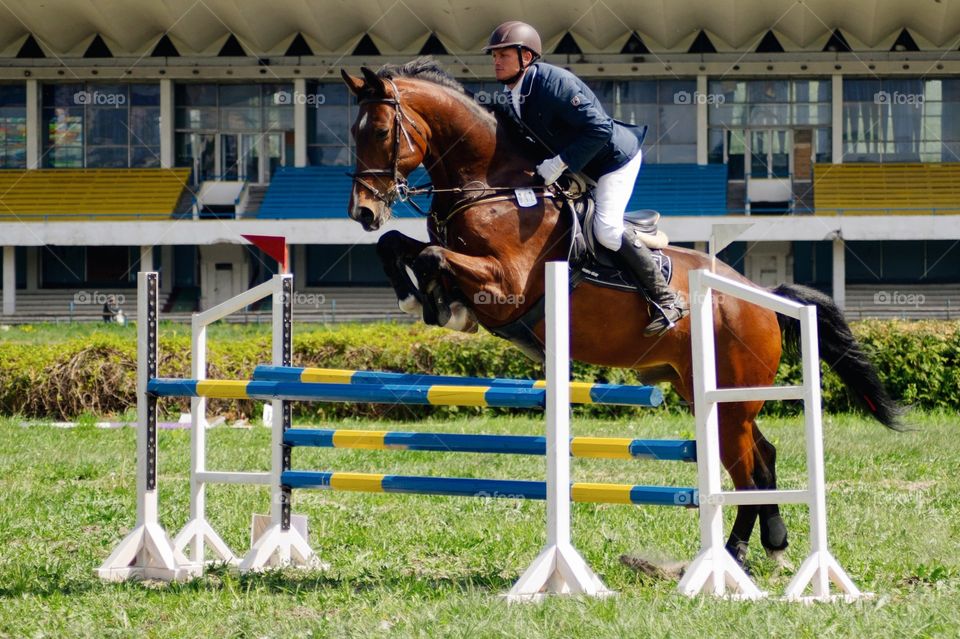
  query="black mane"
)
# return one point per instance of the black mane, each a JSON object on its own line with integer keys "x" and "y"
{"x": 422, "y": 68}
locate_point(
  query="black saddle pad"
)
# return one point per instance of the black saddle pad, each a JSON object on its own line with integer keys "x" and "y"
{"x": 598, "y": 264}
{"x": 614, "y": 277}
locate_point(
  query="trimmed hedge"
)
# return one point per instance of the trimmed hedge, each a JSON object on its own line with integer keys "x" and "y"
{"x": 918, "y": 361}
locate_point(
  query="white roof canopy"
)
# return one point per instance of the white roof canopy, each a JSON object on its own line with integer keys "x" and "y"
{"x": 65, "y": 28}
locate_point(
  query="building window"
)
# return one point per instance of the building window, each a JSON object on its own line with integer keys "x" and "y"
{"x": 769, "y": 128}
{"x": 101, "y": 125}
{"x": 236, "y": 132}
{"x": 330, "y": 113}
{"x": 901, "y": 120}
{"x": 13, "y": 126}
{"x": 666, "y": 107}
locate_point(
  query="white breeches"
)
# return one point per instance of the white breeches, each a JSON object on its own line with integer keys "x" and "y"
{"x": 612, "y": 194}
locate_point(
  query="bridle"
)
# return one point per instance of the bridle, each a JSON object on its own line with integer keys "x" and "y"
{"x": 400, "y": 191}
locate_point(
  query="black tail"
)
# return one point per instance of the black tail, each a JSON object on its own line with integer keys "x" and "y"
{"x": 841, "y": 351}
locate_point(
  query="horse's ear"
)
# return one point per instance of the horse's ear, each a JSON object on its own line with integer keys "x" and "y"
{"x": 356, "y": 85}
{"x": 374, "y": 82}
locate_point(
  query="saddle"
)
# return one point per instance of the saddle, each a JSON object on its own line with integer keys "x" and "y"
{"x": 596, "y": 263}
{"x": 589, "y": 260}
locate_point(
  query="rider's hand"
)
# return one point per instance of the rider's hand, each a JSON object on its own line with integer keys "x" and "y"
{"x": 550, "y": 170}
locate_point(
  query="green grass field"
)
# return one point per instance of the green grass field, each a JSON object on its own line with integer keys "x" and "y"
{"x": 433, "y": 566}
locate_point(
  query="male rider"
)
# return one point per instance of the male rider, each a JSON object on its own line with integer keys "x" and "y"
{"x": 566, "y": 118}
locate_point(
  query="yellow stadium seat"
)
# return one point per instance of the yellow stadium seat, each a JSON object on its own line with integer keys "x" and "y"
{"x": 881, "y": 189}
{"x": 90, "y": 194}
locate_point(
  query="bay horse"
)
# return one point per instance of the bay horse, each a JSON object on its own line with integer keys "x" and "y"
{"x": 485, "y": 259}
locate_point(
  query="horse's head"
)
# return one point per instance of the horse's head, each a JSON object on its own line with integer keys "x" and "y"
{"x": 390, "y": 144}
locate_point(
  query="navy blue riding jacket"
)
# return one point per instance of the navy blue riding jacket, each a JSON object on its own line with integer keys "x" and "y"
{"x": 564, "y": 117}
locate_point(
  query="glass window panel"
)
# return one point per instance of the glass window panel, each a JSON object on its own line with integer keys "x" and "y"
{"x": 145, "y": 126}
{"x": 107, "y": 95}
{"x": 642, "y": 91}
{"x": 60, "y": 95}
{"x": 107, "y": 156}
{"x": 337, "y": 93}
{"x": 678, "y": 124}
{"x": 640, "y": 114}
{"x": 64, "y": 157}
{"x": 276, "y": 93}
{"x": 239, "y": 95}
{"x": 64, "y": 126}
{"x": 107, "y": 126}
{"x": 768, "y": 91}
{"x": 240, "y": 119}
{"x": 677, "y": 154}
{"x": 670, "y": 90}
{"x": 715, "y": 146}
{"x": 145, "y": 95}
{"x": 278, "y": 118}
{"x": 13, "y": 95}
{"x": 145, "y": 157}
{"x": 728, "y": 114}
{"x": 195, "y": 95}
{"x": 607, "y": 92}
{"x": 329, "y": 125}
{"x": 196, "y": 118}
{"x": 769, "y": 114}
{"x": 329, "y": 156}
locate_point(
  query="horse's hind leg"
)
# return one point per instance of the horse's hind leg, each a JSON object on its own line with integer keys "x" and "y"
{"x": 741, "y": 448}
{"x": 751, "y": 462}
{"x": 738, "y": 455}
{"x": 773, "y": 531}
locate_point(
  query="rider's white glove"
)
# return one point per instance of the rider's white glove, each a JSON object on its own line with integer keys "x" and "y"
{"x": 550, "y": 170}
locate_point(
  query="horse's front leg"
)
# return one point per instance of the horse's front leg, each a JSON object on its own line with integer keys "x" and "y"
{"x": 396, "y": 252}
{"x": 452, "y": 284}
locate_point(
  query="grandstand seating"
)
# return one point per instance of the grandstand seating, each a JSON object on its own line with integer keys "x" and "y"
{"x": 902, "y": 301}
{"x": 681, "y": 189}
{"x": 323, "y": 191}
{"x": 90, "y": 194}
{"x": 877, "y": 189}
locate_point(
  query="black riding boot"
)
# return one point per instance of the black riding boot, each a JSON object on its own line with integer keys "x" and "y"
{"x": 670, "y": 306}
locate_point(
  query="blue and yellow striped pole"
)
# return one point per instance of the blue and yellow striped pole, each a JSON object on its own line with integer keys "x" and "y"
{"x": 580, "y": 392}
{"x": 596, "y": 447}
{"x": 425, "y": 394}
{"x": 500, "y": 488}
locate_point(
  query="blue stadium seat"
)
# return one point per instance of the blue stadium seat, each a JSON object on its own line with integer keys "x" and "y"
{"x": 681, "y": 189}
{"x": 322, "y": 192}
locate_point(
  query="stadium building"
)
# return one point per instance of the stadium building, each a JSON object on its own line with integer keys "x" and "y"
{"x": 154, "y": 134}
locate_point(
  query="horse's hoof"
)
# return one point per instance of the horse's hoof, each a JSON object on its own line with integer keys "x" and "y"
{"x": 780, "y": 561}
{"x": 411, "y": 306}
{"x": 739, "y": 554}
{"x": 460, "y": 319}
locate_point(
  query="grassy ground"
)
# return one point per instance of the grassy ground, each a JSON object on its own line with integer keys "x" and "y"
{"x": 433, "y": 566}
{"x": 44, "y": 333}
